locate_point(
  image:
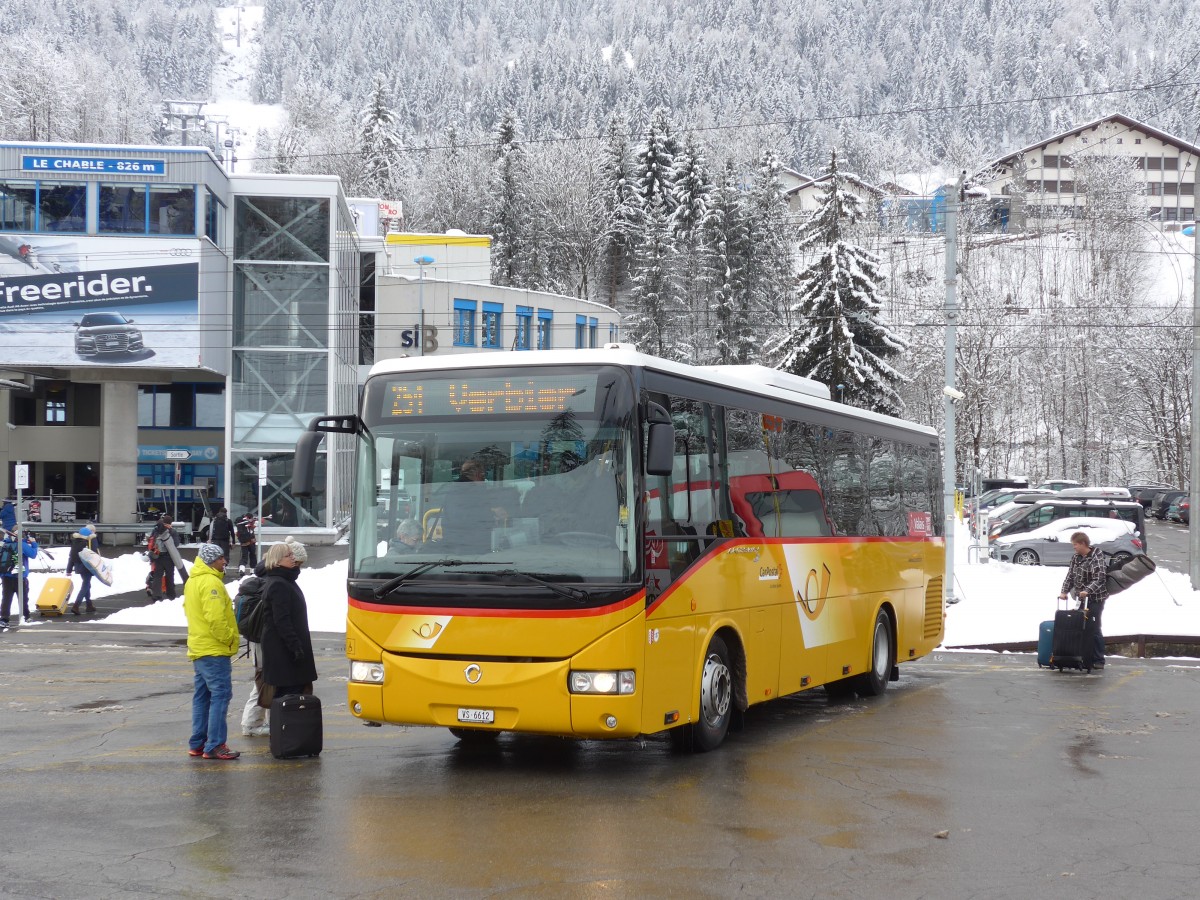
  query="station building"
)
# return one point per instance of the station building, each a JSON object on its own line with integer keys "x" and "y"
{"x": 168, "y": 326}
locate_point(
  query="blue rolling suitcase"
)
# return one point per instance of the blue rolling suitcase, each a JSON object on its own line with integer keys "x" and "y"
{"x": 1045, "y": 644}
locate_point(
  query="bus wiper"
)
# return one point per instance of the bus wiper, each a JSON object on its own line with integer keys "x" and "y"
{"x": 388, "y": 586}
{"x": 579, "y": 595}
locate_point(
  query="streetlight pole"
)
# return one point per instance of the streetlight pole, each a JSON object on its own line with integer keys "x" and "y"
{"x": 950, "y": 393}
{"x": 422, "y": 262}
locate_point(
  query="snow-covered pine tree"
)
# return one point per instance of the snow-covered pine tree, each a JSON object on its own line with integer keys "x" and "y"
{"x": 622, "y": 211}
{"x": 770, "y": 262}
{"x": 841, "y": 338}
{"x": 508, "y": 206}
{"x": 726, "y": 237}
{"x": 656, "y": 165}
{"x": 379, "y": 145}
{"x": 692, "y": 189}
{"x": 653, "y": 316}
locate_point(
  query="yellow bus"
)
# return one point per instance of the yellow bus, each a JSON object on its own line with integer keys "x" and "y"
{"x": 603, "y": 544}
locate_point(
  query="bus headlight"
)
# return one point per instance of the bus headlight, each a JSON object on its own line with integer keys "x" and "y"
{"x": 622, "y": 682}
{"x": 366, "y": 672}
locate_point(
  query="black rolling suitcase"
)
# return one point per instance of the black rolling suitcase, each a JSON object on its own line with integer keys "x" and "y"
{"x": 296, "y": 726}
{"x": 1073, "y": 640}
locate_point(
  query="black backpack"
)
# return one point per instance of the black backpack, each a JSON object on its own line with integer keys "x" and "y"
{"x": 250, "y": 610}
{"x": 8, "y": 557}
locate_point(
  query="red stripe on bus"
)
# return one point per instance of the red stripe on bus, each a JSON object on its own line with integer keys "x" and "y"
{"x": 500, "y": 613}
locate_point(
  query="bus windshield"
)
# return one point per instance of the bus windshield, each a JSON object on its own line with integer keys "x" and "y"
{"x": 502, "y": 475}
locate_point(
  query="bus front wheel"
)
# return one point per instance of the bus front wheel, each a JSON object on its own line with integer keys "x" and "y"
{"x": 883, "y": 657}
{"x": 716, "y": 698}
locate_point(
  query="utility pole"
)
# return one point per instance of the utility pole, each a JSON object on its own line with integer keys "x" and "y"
{"x": 1194, "y": 478}
{"x": 950, "y": 394}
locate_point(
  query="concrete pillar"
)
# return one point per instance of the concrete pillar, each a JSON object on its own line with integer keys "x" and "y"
{"x": 118, "y": 453}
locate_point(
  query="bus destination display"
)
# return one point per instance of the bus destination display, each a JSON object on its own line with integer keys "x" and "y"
{"x": 489, "y": 396}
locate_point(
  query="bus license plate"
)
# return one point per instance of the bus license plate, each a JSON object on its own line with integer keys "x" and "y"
{"x": 477, "y": 716}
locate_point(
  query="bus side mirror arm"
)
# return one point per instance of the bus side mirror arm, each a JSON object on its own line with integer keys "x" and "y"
{"x": 305, "y": 463}
{"x": 660, "y": 441}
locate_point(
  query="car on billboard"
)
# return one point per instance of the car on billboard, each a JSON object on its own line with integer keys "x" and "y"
{"x": 106, "y": 332}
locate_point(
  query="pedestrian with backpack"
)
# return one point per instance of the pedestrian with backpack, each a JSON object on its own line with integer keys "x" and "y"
{"x": 14, "y": 568}
{"x": 81, "y": 540}
{"x": 162, "y": 546}
{"x": 220, "y": 532}
{"x": 248, "y": 541}
{"x": 250, "y": 612}
{"x": 212, "y": 642}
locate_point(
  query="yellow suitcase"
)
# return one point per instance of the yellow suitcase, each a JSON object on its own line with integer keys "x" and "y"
{"x": 52, "y": 601}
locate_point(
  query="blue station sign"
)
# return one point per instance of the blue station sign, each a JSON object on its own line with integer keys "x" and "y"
{"x": 93, "y": 164}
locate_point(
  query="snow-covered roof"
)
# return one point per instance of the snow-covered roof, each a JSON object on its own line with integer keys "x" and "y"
{"x": 1116, "y": 118}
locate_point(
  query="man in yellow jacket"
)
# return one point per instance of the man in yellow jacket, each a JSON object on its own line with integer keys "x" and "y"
{"x": 212, "y": 642}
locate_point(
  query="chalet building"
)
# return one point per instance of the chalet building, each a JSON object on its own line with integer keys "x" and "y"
{"x": 1044, "y": 182}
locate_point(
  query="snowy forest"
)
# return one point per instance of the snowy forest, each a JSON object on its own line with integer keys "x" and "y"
{"x": 633, "y": 154}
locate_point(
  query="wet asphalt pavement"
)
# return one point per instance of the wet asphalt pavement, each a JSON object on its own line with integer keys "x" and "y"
{"x": 975, "y": 776}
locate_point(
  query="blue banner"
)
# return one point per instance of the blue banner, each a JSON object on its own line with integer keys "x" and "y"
{"x": 77, "y": 164}
{"x": 85, "y": 290}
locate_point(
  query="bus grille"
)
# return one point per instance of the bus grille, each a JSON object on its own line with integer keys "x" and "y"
{"x": 933, "y": 608}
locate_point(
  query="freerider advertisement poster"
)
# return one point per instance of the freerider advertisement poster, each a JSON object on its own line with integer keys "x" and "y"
{"x": 97, "y": 301}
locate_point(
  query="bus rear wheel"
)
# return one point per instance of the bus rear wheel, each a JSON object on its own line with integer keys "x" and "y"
{"x": 883, "y": 657}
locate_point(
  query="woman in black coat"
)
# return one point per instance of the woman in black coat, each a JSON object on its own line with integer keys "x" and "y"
{"x": 287, "y": 655}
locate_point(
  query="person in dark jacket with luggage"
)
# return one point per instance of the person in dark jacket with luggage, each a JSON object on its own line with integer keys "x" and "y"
{"x": 220, "y": 531}
{"x": 287, "y": 655}
{"x": 81, "y": 540}
{"x": 1088, "y": 578}
{"x": 162, "y": 545}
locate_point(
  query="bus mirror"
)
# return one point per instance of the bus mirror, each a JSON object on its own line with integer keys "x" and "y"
{"x": 305, "y": 463}
{"x": 660, "y": 449}
{"x": 306, "y": 448}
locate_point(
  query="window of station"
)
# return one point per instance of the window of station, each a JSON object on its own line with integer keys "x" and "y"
{"x": 18, "y": 206}
{"x": 214, "y": 217}
{"x": 147, "y": 209}
{"x": 524, "y": 327}
{"x": 490, "y": 325}
{"x": 62, "y": 206}
{"x": 544, "y": 326}
{"x": 182, "y": 405}
{"x": 172, "y": 209}
{"x": 464, "y": 323}
{"x": 580, "y": 332}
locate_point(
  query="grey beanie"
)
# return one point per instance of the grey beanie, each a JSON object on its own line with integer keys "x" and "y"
{"x": 210, "y": 553}
{"x": 297, "y": 548}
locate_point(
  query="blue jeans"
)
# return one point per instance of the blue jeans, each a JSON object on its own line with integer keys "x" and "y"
{"x": 210, "y": 702}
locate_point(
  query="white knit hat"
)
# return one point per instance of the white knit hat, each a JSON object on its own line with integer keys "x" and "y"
{"x": 297, "y": 548}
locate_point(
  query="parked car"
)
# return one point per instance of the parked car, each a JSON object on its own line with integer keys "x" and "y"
{"x": 1185, "y": 511}
{"x": 1107, "y": 492}
{"x": 1174, "y": 514}
{"x": 1050, "y": 545}
{"x": 1049, "y": 510}
{"x": 1059, "y": 484}
{"x": 1145, "y": 494}
{"x": 1163, "y": 500}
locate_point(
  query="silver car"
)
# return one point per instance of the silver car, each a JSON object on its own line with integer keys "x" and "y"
{"x": 1050, "y": 545}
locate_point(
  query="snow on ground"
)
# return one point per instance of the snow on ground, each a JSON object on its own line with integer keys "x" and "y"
{"x": 231, "y": 80}
{"x": 998, "y": 602}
